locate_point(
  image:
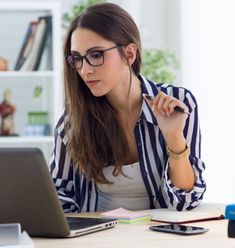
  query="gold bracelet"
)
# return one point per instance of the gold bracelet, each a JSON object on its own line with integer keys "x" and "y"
{"x": 178, "y": 156}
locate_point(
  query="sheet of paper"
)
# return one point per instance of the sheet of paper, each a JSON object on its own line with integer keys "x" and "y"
{"x": 124, "y": 213}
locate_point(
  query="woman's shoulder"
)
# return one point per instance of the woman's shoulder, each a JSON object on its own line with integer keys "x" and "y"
{"x": 168, "y": 88}
{"x": 183, "y": 94}
{"x": 179, "y": 92}
{"x": 171, "y": 88}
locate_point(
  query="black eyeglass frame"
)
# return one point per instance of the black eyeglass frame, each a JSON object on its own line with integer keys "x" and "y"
{"x": 70, "y": 58}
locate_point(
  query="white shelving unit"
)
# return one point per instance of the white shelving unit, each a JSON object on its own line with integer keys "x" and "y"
{"x": 15, "y": 17}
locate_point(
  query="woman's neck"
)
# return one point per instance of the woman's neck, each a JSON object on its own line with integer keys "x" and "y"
{"x": 127, "y": 98}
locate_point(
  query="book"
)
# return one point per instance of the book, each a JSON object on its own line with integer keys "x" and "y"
{"x": 34, "y": 45}
{"x": 46, "y": 58}
{"x": 204, "y": 212}
{"x": 27, "y": 44}
{"x": 31, "y": 59}
{"x": 126, "y": 216}
{"x": 45, "y": 49}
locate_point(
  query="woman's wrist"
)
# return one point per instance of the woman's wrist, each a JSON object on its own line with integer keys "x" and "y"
{"x": 176, "y": 143}
{"x": 178, "y": 156}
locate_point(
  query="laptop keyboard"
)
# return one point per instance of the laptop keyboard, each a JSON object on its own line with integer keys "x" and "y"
{"x": 76, "y": 223}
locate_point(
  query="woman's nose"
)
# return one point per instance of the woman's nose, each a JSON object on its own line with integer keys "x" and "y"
{"x": 86, "y": 68}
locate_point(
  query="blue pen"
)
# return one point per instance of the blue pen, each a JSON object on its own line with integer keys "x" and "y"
{"x": 177, "y": 108}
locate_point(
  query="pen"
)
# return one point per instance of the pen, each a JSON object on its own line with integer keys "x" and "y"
{"x": 177, "y": 108}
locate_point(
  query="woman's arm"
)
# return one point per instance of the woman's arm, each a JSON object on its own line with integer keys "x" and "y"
{"x": 171, "y": 124}
{"x": 180, "y": 169}
{"x": 183, "y": 185}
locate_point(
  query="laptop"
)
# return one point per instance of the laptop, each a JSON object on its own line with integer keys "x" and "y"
{"x": 28, "y": 197}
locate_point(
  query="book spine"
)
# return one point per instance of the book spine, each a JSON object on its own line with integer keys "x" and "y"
{"x": 25, "y": 46}
{"x": 46, "y": 39}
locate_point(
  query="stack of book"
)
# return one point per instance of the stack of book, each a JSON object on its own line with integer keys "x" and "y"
{"x": 36, "y": 50}
{"x": 126, "y": 216}
{"x": 37, "y": 124}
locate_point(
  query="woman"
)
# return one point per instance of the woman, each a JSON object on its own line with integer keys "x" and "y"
{"x": 114, "y": 147}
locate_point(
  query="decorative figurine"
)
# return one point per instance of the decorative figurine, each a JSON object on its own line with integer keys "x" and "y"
{"x": 7, "y": 114}
{"x": 3, "y": 64}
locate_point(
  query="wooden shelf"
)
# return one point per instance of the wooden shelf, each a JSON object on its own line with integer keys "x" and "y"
{"x": 28, "y": 140}
{"x": 27, "y": 74}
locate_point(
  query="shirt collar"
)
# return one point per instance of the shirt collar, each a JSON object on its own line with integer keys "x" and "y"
{"x": 150, "y": 88}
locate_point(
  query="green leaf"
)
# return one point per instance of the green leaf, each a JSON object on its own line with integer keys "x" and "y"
{"x": 77, "y": 9}
{"x": 37, "y": 92}
{"x": 159, "y": 65}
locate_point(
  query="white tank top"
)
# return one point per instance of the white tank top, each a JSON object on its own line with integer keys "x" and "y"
{"x": 127, "y": 192}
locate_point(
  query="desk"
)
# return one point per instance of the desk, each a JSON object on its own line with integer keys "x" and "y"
{"x": 138, "y": 235}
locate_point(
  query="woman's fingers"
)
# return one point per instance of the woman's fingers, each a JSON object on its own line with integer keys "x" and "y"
{"x": 159, "y": 103}
{"x": 167, "y": 105}
{"x": 164, "y": 104}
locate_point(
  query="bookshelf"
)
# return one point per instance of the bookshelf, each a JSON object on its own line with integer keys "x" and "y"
{"x": 15, "y": 17}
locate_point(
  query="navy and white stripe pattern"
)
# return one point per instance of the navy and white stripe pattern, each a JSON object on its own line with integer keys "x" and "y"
{"x": 77, "y": 194}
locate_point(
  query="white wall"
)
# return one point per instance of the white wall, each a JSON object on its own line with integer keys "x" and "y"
{"x": 208, "y": 53}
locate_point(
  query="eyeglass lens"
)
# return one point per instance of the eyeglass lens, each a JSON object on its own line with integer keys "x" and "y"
{"x": 95, "y": 58}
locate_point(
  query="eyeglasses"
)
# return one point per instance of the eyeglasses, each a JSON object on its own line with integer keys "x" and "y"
{"x": 93, "y": 58}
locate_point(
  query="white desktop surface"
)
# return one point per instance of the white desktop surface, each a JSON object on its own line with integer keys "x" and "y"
{"x": 138, "y": 235}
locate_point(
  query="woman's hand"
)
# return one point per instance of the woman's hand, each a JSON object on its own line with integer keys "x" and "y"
{"x": 170, "y": 122}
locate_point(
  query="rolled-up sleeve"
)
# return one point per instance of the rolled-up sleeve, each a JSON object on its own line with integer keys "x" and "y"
{"x": 188, "y": 199}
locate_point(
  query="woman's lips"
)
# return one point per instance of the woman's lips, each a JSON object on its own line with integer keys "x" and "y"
{"x": 92, "y": 82}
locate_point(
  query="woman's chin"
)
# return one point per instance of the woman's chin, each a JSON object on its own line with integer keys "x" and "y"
{"x": 98, "y": 93}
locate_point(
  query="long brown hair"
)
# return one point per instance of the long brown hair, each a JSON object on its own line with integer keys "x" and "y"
{"x": 96, "y": 138}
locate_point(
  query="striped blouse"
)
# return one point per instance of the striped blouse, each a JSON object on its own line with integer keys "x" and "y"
{"x": 77, "y": 194}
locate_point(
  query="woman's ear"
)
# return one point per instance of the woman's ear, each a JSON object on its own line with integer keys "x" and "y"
{"x": 130, "y": 51}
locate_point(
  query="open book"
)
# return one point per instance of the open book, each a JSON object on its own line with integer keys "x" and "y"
{"x": 204, "y": 212}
